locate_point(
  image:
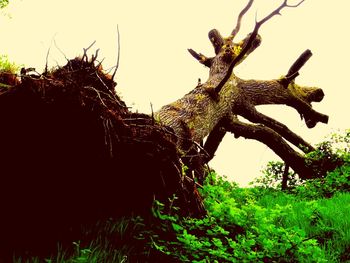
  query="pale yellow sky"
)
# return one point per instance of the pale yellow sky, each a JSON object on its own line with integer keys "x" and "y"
{"x": 156, "y": 67}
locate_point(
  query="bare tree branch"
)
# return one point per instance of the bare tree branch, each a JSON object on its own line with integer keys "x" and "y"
{"x": 251, "y": 114}
{"x": 293, "y": 71}
{"x": 276, "y": 12}
{"x": 94, "y": 57}
{"x": 117, "y": 65}
{"x": 274, "y": 141}
{"x": 311, "y": 116}
{"x": 253, "y": 35}
{"x": 86, "y": 50}
{"x": 47, "y": 59}
{"x": 201, "y": 58}
{"x": 54, "y": 41}
{"x": 239, "y": 19}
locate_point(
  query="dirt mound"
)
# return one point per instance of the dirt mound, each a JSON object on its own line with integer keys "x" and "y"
{"x": 72, "y": 153}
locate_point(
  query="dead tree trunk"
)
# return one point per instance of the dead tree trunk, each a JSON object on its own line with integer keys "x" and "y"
{"x": 211, "y": 109}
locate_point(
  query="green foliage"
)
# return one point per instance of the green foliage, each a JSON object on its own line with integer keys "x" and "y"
{"x": 330, "y": 160}
{"x": 335, "y": 181}
{"x": 273, "y": 174}
{"x": 326, "y": 220}
{"x": 4, "y": 3}
{"x": 6, "y": 65}
{"x": 236, "y": 229}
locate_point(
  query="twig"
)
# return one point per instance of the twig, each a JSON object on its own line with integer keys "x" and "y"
{"x": 98, "y": 94}
{"x": 203, "y": 151}
{"x": 93, "y": 43}
{"x": 117, "y": 65}
{"x": 62, "y": 53}
{"x": 47, "y": 55}
{"x": 114, "y": 98}
{"x": 152, "y": 113}
{"x": 93, "y": 57}
{"x": 100, "y": 63}
{"x": 85, "y": 51}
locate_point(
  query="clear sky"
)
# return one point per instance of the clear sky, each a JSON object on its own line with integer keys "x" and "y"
{"x": 156, "y": 68}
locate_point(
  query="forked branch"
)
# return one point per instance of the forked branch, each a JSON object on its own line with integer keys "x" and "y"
{"x": 277, "y": 12}
{"x": 253, "y": 35}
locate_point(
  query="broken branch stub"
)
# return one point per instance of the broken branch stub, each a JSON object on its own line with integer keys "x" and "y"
{"x": 293, "y": 71}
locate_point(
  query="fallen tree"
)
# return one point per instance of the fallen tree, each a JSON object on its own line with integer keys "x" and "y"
{"x": 212, "y": 108}
{"x": 72, "y": 152}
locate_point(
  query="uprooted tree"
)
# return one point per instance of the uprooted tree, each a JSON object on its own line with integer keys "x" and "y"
{"x": 72, "y": 152}
{"x": 211, "y": 109}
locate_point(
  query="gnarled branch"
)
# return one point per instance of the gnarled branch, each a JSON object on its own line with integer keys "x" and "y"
{"x": 274, "y": 141}
{"x": 251, "y": 114}
{"x": 261, "y": 92}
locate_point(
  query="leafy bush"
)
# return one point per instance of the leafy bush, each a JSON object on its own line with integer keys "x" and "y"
{"x": 330, "y": 160}
{"x": 235, "y": 230}
{"x": 4, "y": 3}
{"x": 335, "y": 181}
{"x": 273, "y": 175}
{"x": 6, "y": 65}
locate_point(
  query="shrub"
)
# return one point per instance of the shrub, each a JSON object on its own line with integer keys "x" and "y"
{"x": 330, "y": 160}
{"x": 6, "y": 65}
{"x": 236, "y": 229}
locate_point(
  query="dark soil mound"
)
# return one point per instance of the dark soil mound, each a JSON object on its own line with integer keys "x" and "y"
{"x": 71, "y": 153}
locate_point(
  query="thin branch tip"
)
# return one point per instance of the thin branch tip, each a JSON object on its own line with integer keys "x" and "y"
{"x": 117, "y": 65}
{"x": 239, "y": 19}
{"x": 296, "y": 5}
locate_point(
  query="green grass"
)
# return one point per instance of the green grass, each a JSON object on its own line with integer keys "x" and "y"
{"x": 325, "y": 219}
